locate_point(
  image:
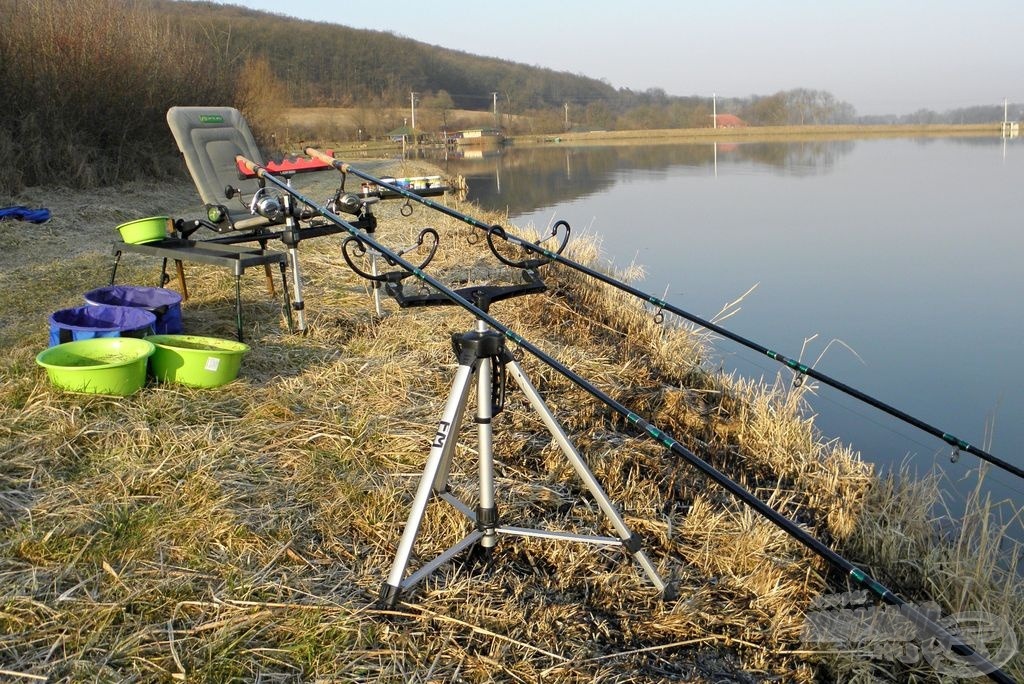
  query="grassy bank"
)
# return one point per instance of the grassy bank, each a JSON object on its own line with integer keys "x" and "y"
{"x": 243, "y": 533}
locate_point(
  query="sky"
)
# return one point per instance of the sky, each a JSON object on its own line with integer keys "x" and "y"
{"x": 883, "y": 57}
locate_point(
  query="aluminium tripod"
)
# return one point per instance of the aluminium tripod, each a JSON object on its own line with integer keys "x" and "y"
{"x": 482, "y": 355}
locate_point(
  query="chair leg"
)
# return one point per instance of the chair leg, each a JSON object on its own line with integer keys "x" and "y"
{"x": 113, "y": 271}
{"x": 268, "y": 272}
{"x": 181, "y": 279}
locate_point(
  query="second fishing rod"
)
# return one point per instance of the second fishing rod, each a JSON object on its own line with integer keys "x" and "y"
{"x": 796, "y": 366}
{"x": 907, "y": 610}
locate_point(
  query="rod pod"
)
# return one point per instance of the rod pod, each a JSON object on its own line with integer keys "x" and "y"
{"x": 911, "y": 612}
{"x": 794, "y": 365}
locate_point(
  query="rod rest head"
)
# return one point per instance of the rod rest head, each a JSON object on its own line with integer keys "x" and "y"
{"x": 481, "y": 296}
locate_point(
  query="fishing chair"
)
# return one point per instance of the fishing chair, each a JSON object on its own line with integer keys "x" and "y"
{"x": 210, "y": 138}
{"x": 237, "y": 205}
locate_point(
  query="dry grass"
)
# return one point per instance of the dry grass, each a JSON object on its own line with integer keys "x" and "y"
{"x": 85, "y": 95}
{"x": 243, "y": 533}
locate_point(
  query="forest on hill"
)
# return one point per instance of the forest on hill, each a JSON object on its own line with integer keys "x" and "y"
{"x": 329, "y": 65}
{"x": 85, "y": 96}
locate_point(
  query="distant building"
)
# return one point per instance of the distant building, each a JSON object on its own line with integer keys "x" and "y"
{"x": 482, "y": 137}
{"x": 402, "y": 133}
{"x": 730, "y": 121}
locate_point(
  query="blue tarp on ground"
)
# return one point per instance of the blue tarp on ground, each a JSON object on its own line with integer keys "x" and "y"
{"x": 25, "y": 214}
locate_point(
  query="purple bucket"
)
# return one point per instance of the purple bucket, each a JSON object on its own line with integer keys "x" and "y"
{"x": 86, "y": 322}
{"x": 164, "y": 304}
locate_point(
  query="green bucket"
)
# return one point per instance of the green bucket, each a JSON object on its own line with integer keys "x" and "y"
{"x": 101, "y": 365}
{"x": 195, "y": 361}
{"x": 144, "y": 230}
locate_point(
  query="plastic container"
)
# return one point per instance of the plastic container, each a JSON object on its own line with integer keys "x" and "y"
{"x": 144, "y": 230}
{"x": 101, "y": 365}
{"x": 165, "y": 304}
{"x": 196, "y": 361}
{"x": 87, "y": 322}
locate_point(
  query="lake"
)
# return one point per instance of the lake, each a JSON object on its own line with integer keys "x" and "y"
{"x": 894, "y": 264}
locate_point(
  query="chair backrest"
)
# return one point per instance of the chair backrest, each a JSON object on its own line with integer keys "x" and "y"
{"x": 210, "y": 138}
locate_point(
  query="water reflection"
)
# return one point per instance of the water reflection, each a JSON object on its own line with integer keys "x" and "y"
{"x": 524, "y": 179}
{"x": 907, "y": 250}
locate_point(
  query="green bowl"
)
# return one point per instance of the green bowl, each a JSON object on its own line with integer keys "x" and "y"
{"x": 144, "y": 230}
{"x": 195, "y": 361}
{"x": 101, "y": 365}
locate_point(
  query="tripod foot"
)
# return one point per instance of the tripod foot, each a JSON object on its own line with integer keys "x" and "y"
{"x": 479, "y": 558}
{"x": 388, "y": 595}
{"x": 670, "y": 593}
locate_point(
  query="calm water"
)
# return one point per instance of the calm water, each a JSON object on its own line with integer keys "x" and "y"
{"x": 909, "y": 252}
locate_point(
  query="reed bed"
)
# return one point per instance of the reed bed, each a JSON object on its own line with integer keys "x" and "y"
{"x": 243, "y": 533}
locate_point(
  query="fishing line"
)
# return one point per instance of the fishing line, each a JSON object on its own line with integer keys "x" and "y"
{"x": 906, "y": 610}
{"x": 793, "y": 364}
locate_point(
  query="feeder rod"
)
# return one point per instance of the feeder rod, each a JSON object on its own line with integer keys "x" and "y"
{"x": 793, "y": 364}
{"x": 908, "y": 610}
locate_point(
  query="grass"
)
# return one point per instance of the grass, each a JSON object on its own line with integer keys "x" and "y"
{"x": 243, "y": 533}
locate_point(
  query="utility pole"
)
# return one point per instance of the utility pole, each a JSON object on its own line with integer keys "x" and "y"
{"x": 494, "y": 97}
{"x": 412, "y": 104}
{"x": 566, "y": 116}
{"x": 714, "y": 110}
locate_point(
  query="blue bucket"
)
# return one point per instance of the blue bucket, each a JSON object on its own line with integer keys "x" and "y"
{"x": 87, "y": 322}
{"x": 164, "y": 304}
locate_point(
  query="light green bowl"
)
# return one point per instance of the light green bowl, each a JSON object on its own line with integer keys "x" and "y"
{"x": 101, "y": 365}
{"x": 195, "y": 361}
{"x": 144, "y": 230}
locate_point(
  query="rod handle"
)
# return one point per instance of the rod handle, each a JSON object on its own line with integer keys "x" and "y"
{"x": 250, "y": 166}
{"x": 326, "y": 158}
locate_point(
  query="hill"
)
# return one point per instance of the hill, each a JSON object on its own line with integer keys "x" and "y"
{"x": 321, "y": 63}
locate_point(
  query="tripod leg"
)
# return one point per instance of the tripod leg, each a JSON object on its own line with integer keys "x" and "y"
{"x": 375, "y": 284}
{"x": 238, "y": 305}
{"x": 440, "y": 453}
{"x": 287, "y": 298}
{"x": 297, "y": 304}
{"x": 487, "y": 512}
{"x": 630, "y": 541}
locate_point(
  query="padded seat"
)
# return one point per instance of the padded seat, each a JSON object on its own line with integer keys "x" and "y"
{"x": 210, "y": 138}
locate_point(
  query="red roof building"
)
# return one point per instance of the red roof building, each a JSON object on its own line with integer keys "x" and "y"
{"x": 730, "y": 121}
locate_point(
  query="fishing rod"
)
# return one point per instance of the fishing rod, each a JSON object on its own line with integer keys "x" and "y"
{"x": 801, "y": 369}
{"x": 908, "y": 610}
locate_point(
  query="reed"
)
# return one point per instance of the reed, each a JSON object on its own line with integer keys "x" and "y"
{"x": 86, "y": 86}
{"x": 243, "y": 533}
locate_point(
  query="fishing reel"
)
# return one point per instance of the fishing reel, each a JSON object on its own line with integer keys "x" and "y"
{"x": 346, "y": 202}
{"x": 267, "y": 205}
{"x": 530, "y": 264}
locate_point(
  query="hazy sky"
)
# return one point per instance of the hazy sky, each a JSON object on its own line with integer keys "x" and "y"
{"x": 880, "y": 56}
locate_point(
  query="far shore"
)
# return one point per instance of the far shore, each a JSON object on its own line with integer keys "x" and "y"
{"x": 762, "y": 133}
{"x": 735, "y": 134}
